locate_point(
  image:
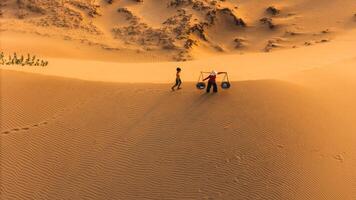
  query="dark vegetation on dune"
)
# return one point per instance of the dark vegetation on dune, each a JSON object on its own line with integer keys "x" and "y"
{"x": 28, "y": 60}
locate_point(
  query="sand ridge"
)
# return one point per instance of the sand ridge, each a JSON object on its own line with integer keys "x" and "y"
{"x": 251, "y": 66}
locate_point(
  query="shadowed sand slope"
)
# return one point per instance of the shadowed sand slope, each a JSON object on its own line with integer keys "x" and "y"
{"x": 69, "y": 139}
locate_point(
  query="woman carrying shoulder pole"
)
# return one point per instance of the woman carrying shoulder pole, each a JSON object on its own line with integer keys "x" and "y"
{"x": 212, "y": 81}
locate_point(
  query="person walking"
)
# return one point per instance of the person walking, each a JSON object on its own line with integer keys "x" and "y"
{"x": 178, "y": 80}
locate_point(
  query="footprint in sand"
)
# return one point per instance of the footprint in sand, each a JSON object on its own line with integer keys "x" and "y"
{"x": 281, "y": 146}
{"x": 26, "y": 128}
{"x": 339, "y": 158}
{"x": 10, "y": 131}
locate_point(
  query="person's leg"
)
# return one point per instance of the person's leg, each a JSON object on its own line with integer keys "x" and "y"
{"x": 215, "y": 87}
{"x": 179, "y": 83}
{"x": 208, "y": 88}
{"x": 175, "y": 85}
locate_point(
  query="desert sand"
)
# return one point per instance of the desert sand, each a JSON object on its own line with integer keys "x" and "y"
{"x": 267, "y": 139}
{"x": 100, "y": 121}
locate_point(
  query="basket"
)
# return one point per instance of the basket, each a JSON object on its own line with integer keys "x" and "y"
{"x": 200, "y": 85}
{"x": 225, "y": 85}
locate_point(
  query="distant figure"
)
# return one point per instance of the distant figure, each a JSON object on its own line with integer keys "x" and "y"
{"x": 178, "y": 80}
{"x": 212, "y": 81}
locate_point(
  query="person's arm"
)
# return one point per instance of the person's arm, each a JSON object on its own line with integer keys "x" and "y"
{"x": 206, "y": 78}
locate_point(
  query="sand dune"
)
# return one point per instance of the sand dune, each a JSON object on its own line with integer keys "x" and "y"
{"x": 69, "y": 139}
{"x": 174, "y": 30}
{"x": 249, "y": 66}
{"x": 100, "y": 121}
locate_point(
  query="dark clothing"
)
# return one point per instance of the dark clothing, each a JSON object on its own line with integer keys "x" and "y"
{"x": 178, "y": 83}
{"x": 215, "y": 87}
{"x": 212, "y": 78}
